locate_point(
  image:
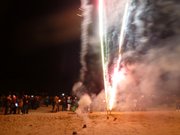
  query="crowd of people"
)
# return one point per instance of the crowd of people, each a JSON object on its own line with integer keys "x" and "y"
{"x": 14, "y": 104}
{"x": 64, "y": 103}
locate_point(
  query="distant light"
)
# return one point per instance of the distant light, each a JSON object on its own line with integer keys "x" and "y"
{"x": 63, "y": 94}
{"x": 32, "y": 96}
{"x": 16, "y": 104}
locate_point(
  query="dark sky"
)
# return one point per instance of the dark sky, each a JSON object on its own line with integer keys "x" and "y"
{"x": 40, "y": 45}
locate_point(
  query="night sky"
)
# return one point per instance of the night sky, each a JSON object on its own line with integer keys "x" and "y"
{"x": 40, "y": 45}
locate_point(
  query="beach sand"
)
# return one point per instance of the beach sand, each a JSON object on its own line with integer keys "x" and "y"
{"x": 44, "y": 122}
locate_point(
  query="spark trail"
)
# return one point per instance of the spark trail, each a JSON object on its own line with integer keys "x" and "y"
{"x": 101, "y": 35}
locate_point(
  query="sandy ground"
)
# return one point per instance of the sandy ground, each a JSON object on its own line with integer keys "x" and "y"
{"x": 43, "y": 122}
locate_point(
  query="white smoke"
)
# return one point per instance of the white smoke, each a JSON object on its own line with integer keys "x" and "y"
{"x": 156, "y": 78}
{"x": 114, "y": 12}
{"x": 87, "y": 19}
{"x": 84, "y": 104}
{"x": 84, "y": 107}
{"x": 151, "y": 52}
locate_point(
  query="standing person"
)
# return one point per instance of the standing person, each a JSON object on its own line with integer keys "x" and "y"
{"x": 25, "y": 104}
{"x": 32, "y": 102}
{"x": 69, "y": 103}
{"x": 7, "y": 103}
{"x": 3, "y": 104}
{"x": 64, "y": 104}
{"x": 46, "y": 101}
{"x": 13, "y": 105}
{"x": 59, "y": 104}
{"x": 53, "y": 104}
{"x": 74, "y": 104}
{"x": 36, "y": 102}
{"x": 20, "y": 105}
{"x": 56, "y": 103}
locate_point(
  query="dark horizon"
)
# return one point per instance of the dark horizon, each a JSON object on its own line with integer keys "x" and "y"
{"x": 40, "y": 46}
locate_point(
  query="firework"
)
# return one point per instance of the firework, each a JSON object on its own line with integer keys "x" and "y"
{"x": 110, "y": 86}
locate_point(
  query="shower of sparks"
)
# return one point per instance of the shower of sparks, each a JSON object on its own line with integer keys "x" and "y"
{"x": 118, "y": 75}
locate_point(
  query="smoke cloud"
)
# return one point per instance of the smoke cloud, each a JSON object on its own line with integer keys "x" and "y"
{"x": 90, "y": 50}
{"x": 150, "y": 53}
